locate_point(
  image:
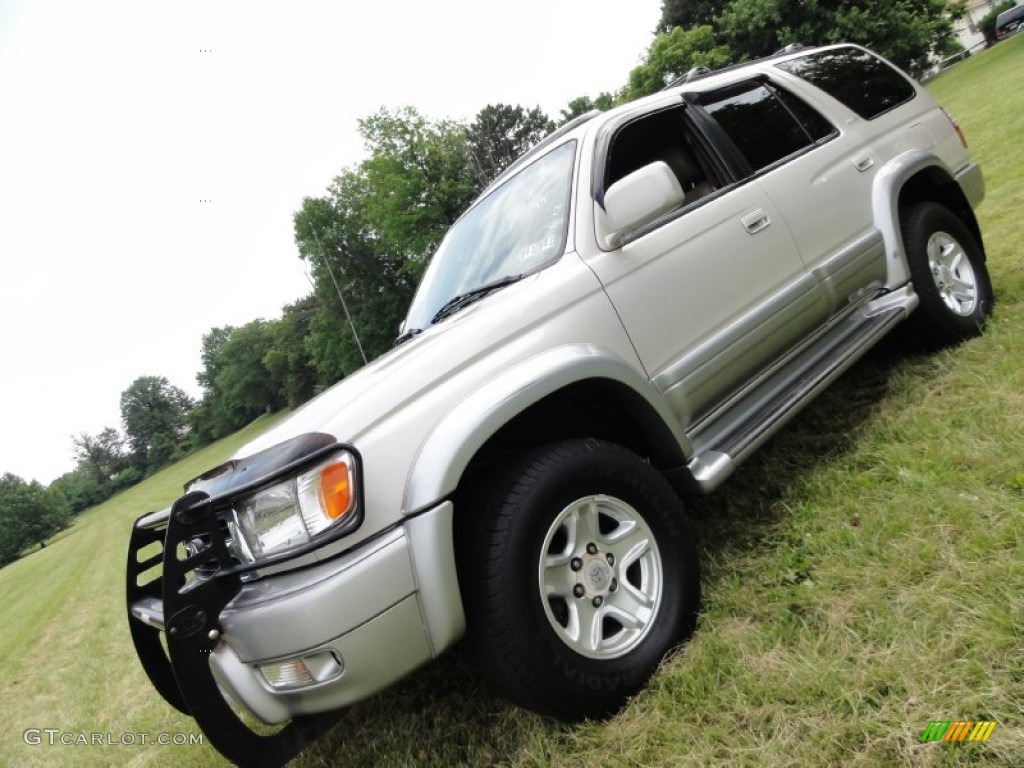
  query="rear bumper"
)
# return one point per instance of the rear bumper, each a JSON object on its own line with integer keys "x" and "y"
{"x": 972, "y": 183}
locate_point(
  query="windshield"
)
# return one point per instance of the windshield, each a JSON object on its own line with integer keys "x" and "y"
{"x": 518, "y": 228}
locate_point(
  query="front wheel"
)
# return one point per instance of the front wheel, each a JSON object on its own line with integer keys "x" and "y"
{"x": 578, "y": 577}
{"x": 948, "y": 269}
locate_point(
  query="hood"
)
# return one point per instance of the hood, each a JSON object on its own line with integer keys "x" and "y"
{"x": 352, "y": 406}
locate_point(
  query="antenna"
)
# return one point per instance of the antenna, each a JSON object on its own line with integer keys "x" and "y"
{"x": 337, "y": 288}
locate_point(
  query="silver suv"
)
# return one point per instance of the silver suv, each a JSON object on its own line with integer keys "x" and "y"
{"x": 625, "y": 315}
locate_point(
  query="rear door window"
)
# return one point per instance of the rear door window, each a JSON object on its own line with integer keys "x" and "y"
{"x": 766, "y": 123}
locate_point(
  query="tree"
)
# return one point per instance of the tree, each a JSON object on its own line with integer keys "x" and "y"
{"x": 289, "y": 361}
{"x": 238, "y": 385}
{"x": 367, "y": 240}
{"x": 79, "y": 489}
{"x": 417, "y": 181}
{"x": 688, "y": 13}
{"x": 154, "y": 415}
{"x": 212, "y": 341}
{"x": 243, "y": 382}
{"x": 29, "y": 514}
{"x": 501, "y": 133}
{"x": 672, "y": 55}
{"x": 910, "y": 33}
{"x": 100, "y": 457}
{"x": 362, "y": 286}
{"x": 207, "y": 419}
{"x": 583, "y": 104}
{"x": 102, "y": 469}
{"x": 207, "y": 422}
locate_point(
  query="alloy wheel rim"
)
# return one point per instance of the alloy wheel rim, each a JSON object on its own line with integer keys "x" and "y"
{"x": 601, "y": 577}
{"x": 952, "y": 274}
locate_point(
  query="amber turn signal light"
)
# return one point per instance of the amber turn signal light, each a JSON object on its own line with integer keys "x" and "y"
{"x": 335, "y": 490}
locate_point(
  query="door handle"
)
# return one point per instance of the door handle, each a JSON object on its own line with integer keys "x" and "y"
{"x": 756, "y": 221}
{"x": 863, "y": 162}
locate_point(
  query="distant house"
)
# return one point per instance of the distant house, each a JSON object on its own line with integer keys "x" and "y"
{"x": 967, "y": 25}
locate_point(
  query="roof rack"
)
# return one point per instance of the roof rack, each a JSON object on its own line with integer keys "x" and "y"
{"x": 700, "y": 72}
{"x": 694, "y": 74}
{"x": 791, "y": 48}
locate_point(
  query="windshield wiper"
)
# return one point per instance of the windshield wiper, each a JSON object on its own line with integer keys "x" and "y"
{"x": 465, "y": 299}
{"x": 408, "y": 335}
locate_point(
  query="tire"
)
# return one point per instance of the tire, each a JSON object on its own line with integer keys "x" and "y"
{"x": 947, "y": 267}
{"x": 613, "y": 610}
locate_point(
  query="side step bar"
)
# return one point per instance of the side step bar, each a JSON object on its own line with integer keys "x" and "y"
{"x": 725, "y": 439}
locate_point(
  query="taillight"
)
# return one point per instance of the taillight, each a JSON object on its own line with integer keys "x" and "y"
{"x": 956, "y": 127}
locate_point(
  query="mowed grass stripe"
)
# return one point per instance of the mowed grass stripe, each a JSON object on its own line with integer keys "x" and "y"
{"x": 65, "y": 652}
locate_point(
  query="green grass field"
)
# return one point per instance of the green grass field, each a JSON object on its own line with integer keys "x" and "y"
{"x": 864, "y": 575}
{"x": 66, "y": 658}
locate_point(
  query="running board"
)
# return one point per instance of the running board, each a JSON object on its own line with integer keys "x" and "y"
{"x": 737, "y": 429}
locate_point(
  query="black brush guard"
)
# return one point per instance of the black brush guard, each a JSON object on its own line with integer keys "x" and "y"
{"x": 191, "y": 613}
{"x": 192, "y": 631}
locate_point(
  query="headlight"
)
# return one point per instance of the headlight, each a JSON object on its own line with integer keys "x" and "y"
{"x": 296, "y": 511}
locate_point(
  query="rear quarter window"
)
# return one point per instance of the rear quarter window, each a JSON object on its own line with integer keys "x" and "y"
{"x": 861, "y": 81}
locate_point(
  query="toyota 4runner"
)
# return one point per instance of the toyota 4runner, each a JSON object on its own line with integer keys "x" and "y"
{"x": 620, "y": 319}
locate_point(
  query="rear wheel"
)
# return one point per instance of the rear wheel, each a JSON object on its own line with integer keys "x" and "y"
{"x": 948, "y": 269}
{"x": 578, "y": 576}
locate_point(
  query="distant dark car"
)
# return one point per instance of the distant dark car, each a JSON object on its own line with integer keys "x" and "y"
{"x": 1009, "y": 21}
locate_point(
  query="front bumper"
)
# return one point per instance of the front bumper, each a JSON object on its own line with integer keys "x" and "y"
{"x": 374, "y": 613}
{"x": 363, "y": 610}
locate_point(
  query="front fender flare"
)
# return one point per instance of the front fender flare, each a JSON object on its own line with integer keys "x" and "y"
{"x": 446, "y": 452}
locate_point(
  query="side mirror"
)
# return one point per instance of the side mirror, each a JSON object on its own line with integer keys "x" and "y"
{"x": 643, "y": 196}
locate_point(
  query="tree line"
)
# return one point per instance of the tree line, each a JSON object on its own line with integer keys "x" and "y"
{"x": 367, "y": 239}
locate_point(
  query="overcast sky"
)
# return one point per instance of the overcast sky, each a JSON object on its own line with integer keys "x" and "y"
{"x": 115, "y": 123}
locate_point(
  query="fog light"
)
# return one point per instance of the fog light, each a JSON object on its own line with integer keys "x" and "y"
{"x": 297, "y": 673}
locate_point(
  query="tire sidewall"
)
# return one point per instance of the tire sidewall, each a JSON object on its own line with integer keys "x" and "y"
{"x": 600, "y": 684}
{"x": 937, "y": 321}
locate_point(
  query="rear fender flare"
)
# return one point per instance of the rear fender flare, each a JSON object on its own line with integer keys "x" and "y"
{"x": 885, "y": 199}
